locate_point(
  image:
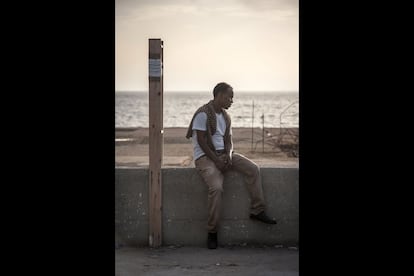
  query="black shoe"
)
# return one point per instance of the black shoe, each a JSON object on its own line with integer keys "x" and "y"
{"x": 263, "y": 218}
{"x": 212, "y": 241}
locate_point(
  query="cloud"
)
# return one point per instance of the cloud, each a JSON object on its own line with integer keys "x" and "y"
{"x": 151, "y": 9}
{"x": 242, "y": 41}
{"x": 146, "y": 9}
{"x": 271, "y": 4}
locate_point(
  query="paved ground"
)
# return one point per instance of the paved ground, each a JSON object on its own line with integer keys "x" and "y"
{"x": 177, "y": 261}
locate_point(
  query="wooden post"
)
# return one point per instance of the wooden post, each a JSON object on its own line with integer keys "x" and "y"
{"x": 263, "y": 133}
{"x": 252, "y": 121}
{"x": 156, "y": 135}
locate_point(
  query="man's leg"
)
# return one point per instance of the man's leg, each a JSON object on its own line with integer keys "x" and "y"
{"x": 253, "y": 181}
{"x": 214, "y": 180}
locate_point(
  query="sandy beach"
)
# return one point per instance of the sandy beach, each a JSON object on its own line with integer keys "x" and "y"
{"x": 280, "y": 147}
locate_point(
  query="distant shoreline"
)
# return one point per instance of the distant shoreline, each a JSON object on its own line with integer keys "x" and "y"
{"x": 205, "y": 92}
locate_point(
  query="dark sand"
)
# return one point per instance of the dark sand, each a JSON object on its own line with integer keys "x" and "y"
{"x": 281, "y": 147}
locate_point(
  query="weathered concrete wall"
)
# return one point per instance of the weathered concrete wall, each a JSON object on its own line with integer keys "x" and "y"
{"x": 185, "y": 208}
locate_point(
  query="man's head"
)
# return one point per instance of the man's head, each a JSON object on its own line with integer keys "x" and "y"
{"x": 223, "y": 95}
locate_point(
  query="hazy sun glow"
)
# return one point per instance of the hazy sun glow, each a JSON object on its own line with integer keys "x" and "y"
{"x": 252, "y": 45}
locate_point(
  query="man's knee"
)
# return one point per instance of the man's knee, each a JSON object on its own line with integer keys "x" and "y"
{"x": 253, "y": 170}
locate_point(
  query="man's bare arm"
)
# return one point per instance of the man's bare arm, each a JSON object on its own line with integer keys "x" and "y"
{"x": 229, "y": 150}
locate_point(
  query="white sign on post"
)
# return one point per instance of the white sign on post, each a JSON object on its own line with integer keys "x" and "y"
{"x": 155, "y": 67}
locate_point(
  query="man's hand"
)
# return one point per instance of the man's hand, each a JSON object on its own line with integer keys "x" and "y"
{"x": 228, "y": 160}
{"x": 221, "y": 165}
{"x": 224, "y": 162}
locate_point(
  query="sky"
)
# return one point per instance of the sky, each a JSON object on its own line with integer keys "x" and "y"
{"x": 251, "y": 44}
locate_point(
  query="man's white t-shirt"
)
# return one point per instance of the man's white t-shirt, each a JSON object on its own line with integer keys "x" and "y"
{"x": 200, "y": 123}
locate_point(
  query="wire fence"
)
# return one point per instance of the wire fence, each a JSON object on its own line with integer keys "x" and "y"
{"x": 286, "y": 141}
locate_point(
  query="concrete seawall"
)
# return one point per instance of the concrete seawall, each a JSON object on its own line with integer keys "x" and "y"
{"x": 184, "y": 200}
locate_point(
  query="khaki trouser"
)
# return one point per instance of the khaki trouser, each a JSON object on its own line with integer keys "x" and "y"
{"x": 213, "y": 177}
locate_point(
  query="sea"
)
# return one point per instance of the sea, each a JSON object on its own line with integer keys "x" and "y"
{"x": 249, "y": 109}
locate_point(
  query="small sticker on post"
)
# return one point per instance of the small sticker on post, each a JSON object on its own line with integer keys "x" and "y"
{"x": 155, "y": 67}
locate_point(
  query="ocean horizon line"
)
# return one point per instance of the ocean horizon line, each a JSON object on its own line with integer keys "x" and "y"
{"x": 206, "y": 91}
